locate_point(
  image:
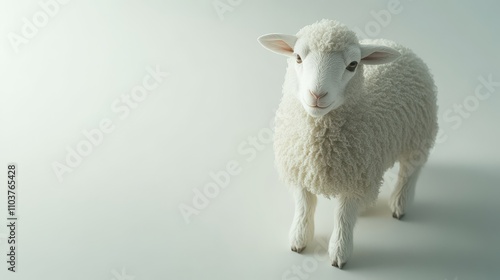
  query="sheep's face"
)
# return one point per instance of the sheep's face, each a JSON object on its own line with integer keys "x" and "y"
{"x": 323, "y": 76}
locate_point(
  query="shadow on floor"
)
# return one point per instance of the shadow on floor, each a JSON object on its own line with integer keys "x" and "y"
{"x": 453, "y": 225}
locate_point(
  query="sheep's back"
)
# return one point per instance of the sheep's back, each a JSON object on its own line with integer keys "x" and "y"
{"x": 403, "y": 96}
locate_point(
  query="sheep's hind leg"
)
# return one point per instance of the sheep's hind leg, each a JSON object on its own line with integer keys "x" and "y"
{"x": 341, "y": 241}
{"x": 302, "y": 230}
{"x": 404, "y": 191}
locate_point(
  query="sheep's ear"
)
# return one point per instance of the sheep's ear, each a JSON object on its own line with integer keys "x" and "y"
{"x": 278, "y": 43}
{"x": 376, "y": 54}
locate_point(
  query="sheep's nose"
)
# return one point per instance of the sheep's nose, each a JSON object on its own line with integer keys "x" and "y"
{"x": 318, "y": 95}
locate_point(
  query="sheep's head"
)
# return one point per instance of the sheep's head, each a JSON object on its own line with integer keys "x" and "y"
{"x": 326, "y": 56}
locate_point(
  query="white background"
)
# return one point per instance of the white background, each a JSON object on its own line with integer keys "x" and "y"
{"x": 116, "y": 215}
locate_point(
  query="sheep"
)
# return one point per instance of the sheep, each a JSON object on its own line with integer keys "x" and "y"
{"x": 349, "y": 111}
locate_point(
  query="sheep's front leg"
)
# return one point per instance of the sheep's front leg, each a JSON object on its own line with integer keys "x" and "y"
{"x": 302, "y": 229}
{"x": 341, "y": 241}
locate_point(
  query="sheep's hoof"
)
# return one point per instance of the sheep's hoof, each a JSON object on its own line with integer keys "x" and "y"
{"x": 298, "y": 250}
{"x": 337, "y": 265}
{"x": 398, "y": 216}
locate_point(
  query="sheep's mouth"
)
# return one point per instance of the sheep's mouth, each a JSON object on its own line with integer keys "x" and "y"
{"x": 318, "y": 106}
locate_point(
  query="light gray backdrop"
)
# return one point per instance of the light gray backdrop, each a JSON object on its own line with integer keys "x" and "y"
{"x": 125, "y": 174}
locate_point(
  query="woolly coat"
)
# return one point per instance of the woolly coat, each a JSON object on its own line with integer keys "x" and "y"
{"x": 389, "y": 115}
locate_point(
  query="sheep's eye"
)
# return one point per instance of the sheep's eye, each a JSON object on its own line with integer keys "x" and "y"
{"x": 299, "y": 59}
{"x": 352, "y": 66}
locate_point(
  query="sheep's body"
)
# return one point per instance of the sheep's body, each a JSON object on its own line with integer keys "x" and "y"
{"x": 347, "y": 151}
{"x": 349, "y": 111}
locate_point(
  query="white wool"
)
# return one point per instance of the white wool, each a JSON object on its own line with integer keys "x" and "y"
{"x": 327, "y": 36}
{"x": 389, "y": 115}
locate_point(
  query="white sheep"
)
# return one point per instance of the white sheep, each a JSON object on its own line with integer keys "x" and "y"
{"x": 349, "y": 111}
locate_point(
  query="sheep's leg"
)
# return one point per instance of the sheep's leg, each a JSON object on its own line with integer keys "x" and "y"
{"x": 302, "y": 229}
{"x": 404, "y": 192}
{"x": 341, "y": 241}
